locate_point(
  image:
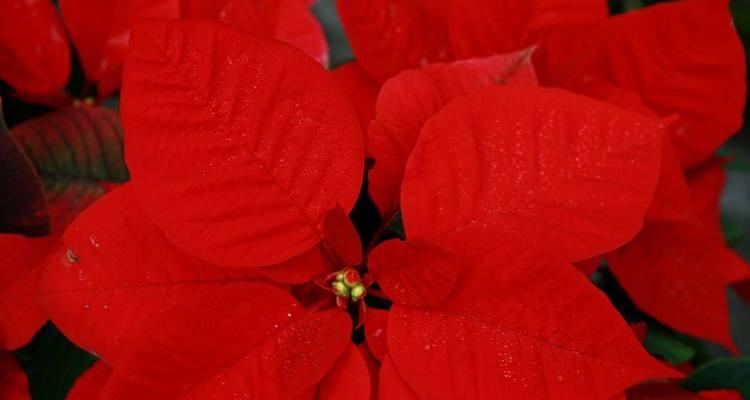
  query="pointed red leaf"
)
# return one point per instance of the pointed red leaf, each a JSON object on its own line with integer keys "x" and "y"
{"x": 100, "y": 33}
{"x": 521, "y": 326}
{"x": 549, "y": 168}
{"x": 682, "y": 57}
{"x": 390, "y": 36}
{"x": 408, "y": 100}
{"x": 260, "y": 157}
{"x": 243, "y": 339}
{"x": 106, "y": 280}
{"x": 416, "y": 273}
{"x": 90, "y": 385}
{"x": 13, "y": 382}
{"x": 33, "y": 47}
{"x": 342, "y": 237}
{"x": 678, "y": 274}
{"x": 376, "y": 326}
{"x": 348, "y": 379}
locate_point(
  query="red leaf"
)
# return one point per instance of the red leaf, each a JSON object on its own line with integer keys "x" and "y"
{"x": 390, "y": 36}
{"x": 13, "y": 382}
{"x": 678, "y": 274}
{"x": 681, "y": 57}
{"x": 360, "y": 88}
{"x": 376, "y": 326}
{"x": 342, "y": 237}
{"x": 407, "y": 101}
{"x": 260, "y": 157}
{"x": 521, "y": 326}
{"x": 392, "y": 385}
{"x": 552, "y": 169}
{"x": 348, "y": 379}
{"x": 20, "y": 316}
{"x": 706, "y": 183}
{"x": 106, "y": 280}
{"x": 22, "y": 206}
{"x": 89, "y": 386}
{"x": 33, "y": 47}
{"x": 416, "y": 273}
{"x": 100, "y": 32}
{"x": 672, "y": 200}
{"x": 243, "y": 338}
{"x": 480, "y": 28}
{"x": 289, "y": 21}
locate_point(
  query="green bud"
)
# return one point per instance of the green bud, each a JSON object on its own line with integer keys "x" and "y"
{"x": 340, "y": 288}
{"x": 358, "y": 292}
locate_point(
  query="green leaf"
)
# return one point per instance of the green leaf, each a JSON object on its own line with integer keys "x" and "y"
{"x": 733, "y": 233}
{"x": 77, "y": 152}
{"x": 396, "y": 226}
{"x": 52, "y": 364}
{"x": 722, "y": 373}
{"x": 22, "y": 207}
{"x": 660, "y": 342}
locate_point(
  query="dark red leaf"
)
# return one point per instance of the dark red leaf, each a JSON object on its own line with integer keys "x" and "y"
{"x": 22, "y": 206}
{"x": 260, "y": 157}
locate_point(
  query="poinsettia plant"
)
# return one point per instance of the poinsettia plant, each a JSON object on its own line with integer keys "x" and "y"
{"x": 496, "y": 200}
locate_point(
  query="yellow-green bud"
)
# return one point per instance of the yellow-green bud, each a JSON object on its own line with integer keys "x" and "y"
{"x": 340, "y": 288}
{"x": 357, "y": 292}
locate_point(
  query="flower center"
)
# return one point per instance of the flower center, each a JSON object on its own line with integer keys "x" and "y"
{"x": 347, "y": 284}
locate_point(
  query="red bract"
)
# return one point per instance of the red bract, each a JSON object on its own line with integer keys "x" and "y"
{"x": 36, "y": 55}
{"x": 471, "y": 316}
{"x": 261, "y": 156}
{"x": 361, "y": 90}
{"x": 672, "y": 391}
{"x": 34, "y": 52}
{"x": 682, "y": 58}
{"x": 408, "y": 100}
{"x": 289, "y": 21}
{"x": 262, "y": 174}
{"x": 13, "y": 382}
{"x": 90, "y": 384}
{"x": 389, "y": 36}
{"x": 586, "y": 185}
